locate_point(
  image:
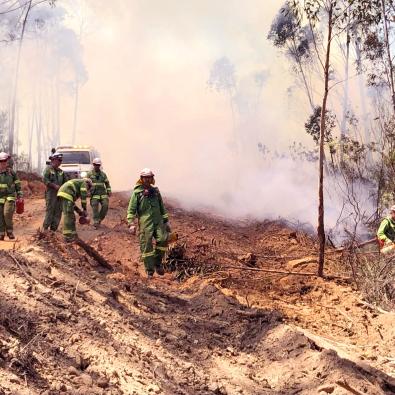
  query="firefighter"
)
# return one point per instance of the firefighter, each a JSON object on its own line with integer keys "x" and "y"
{"x": 54, "y": 178}
{"x": 100, "y": 193}
{"x": 69, "y": 192}
{"x": 147, "y": 206}
{"x": 386, "y": 231}
{"x": 10, "y": 189}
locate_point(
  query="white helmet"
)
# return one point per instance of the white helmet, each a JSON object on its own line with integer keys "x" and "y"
{"x": 96, "y": 161}
{"x": 146, "y": 172}
{"x": 56, "y": 155}
{"x": 4, "y": 156}
{"x": 391, "y": 209}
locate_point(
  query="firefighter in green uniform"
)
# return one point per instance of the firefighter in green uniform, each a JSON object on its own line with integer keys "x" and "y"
{"x": 146, "y": 204}
{"x": 100, "y": 193}
{"x": 386, "y": 231}
{"x": 54, "y": 178}
{"x": 69, "y": 192}
{"x": 10, "y": 189}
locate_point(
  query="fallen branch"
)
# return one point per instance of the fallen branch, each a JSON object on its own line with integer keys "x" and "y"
{"x": 94, "y": 254}
{"x": 347, "y": 387}
{"x": 364, "y": 243}
{"x": 254, "y": 269}
{"x": 29, "y": 278}
{"x": 252, "y": 314}
{"x": 373, "y": 307}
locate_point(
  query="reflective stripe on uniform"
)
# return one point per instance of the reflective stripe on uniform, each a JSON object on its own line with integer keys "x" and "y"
{"x": 147, "y": 254}
{"x": 161, "y": 248}
{"x": 69, "y": 232}
{"x": 99, "y": 197}
{"x": 165, "y": 216}
{"x": 8, "y": 198}
{"x": 3, "y": 185}
{"x": 66, "y": 195}
{"x": 17, "y": 182}
{"x": 99, "y": 183}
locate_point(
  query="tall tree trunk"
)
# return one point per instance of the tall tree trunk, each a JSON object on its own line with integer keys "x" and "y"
{"x": 57, "y": 126}
{"x": 388, "y": 50}
{"x": 16, "y": 77}
{"x": 76, "y": 99}
{"x": 361, "y": 87}
{"x": 321, "y": 228}
{"x": 31, "y": 129}
{"x": 343, "y": 126}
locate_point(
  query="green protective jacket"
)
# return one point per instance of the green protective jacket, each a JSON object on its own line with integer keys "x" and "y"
{"x": 150, "y": 210}
{"x": 74, "y": 189}
{"x": 101, "y": 186}
{"x": 386, "y": 231}
{"x": 10, "y": 186}
{"x": 54, "y": 176}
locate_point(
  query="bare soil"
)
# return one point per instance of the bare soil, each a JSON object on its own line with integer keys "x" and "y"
{"x": 214, "y": 326}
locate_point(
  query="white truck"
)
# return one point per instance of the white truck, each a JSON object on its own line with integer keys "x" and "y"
{"x": 77, "y": 159}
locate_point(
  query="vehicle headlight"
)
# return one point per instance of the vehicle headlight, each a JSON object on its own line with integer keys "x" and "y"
{"x": 83, "y": 174}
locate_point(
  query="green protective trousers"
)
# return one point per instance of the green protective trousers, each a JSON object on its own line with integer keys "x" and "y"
{"x": 152, "y": 255}
{"x": 69, "y": 230}
{"x": 53, "y": 210}
{"x": 99, "y": 209}
{"x": 7, "y": 210}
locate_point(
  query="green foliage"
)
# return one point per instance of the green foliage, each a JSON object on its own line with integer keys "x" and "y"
{"x": 287, "y": 32}
{"x": 313, "y": 128}
{"x": 300, "y": 152}
{"x": 222, "y": 75}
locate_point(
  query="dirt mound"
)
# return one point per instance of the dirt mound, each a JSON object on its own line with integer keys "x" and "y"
{"x": 32, "y": 185}
{"x": 69, "y": 325}
{"x": 25, "y": 176}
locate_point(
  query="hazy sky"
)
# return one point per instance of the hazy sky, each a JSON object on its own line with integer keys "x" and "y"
{"x": 146, "y": 101}
{"x": 147, "y": 97}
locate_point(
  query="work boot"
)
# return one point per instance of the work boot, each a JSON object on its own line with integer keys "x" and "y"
{"x": 10, "y": 235}
{"x": 150, "y": 274}
{"x": 69, "y": 239}
{"x": 160, "y": 270}
{"x": 96, "y": 225}
{"x": 1, "y": 237}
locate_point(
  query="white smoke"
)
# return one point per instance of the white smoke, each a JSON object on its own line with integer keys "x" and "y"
{"x": 147, "y": 103}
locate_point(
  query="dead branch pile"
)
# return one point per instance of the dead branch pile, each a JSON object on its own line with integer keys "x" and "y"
{"x": 374, "y": 275}
{"x": 186, "y": 266}
{"x": 18, "y": 323}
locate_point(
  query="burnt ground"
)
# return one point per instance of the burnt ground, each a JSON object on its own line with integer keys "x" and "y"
{"x": 213, "y": 326}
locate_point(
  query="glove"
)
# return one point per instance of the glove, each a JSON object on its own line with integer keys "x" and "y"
{"x": 168, "y": 228}
{"x": 53, "y": 186}
{"x": 132, "y": 229}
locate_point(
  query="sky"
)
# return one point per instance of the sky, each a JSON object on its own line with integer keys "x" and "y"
{"x": 147, "y": 97}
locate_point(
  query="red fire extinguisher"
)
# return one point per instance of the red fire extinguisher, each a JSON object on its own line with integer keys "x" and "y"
{"x": 20, "y": 206}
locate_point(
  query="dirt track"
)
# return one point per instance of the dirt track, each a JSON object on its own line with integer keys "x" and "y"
{"x": 69, "y": 326}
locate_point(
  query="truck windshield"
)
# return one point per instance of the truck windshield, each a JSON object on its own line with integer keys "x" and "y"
{"x": 73, "y": 157}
